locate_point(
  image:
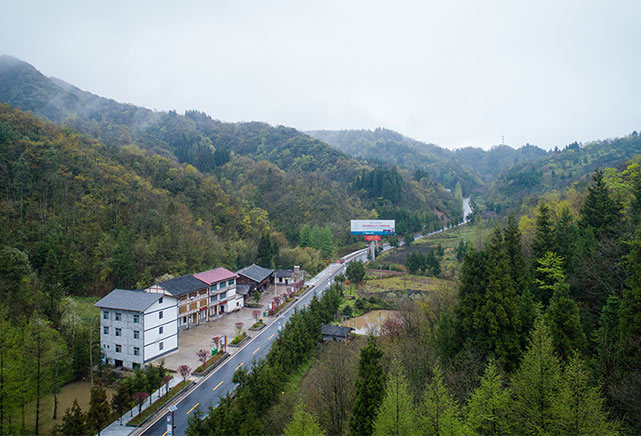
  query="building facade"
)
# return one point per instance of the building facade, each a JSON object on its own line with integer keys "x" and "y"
{"x": 192, "y": 295}
{"x": 137, "y": 327}
{"x": 222, "y": 291}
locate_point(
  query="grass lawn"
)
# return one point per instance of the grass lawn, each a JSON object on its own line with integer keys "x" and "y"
{"x": 405, "y": 282}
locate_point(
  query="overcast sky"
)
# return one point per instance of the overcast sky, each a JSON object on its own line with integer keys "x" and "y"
{"x": 455, "y": 73}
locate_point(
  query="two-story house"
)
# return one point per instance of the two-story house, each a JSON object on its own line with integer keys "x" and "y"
{"x": 137, "y": 327}
{"x": 222, "y": 291}
{"x": 192, "y": 295}
{"x": 257, "y": 277}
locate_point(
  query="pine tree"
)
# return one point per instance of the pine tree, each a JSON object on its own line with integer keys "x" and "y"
{"x": 540, "y": 397}
{"x": 370, "y": 388}
{"x": 600, "y": 211}
{"x": 544, "y": 240}
{"x": 586, "y": 412}
{"x": 439, "y": 414}
{"x": 565, "y": 323}
{"x": 74, "y": 422}
{"x": 305, "y": 236}
{"x": 562, "y": 315}
{"x": 99, "y": 409}
{"x": 631, "y": 300}
{"x": 566, "y": 234}
{"x": 488, "y": 408}
{"x": 303, "y": 423}
{"x": 474, "y": 277}
{"x": 513, "y": 248}
{"x": 497, "y": 320}
{"x": 396, "y": 414}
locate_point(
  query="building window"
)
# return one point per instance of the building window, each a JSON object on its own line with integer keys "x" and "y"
{"x": 161, "y": 346}
{"x": 213, "y": 287}
{"x": 117, "y": 316}
{"x": 136, "y": 351}
{"x": 136, "y": 334}
{"x": 105, "y": 330}
{"x": 118, "y": 348}
{"x": 184, "y": 320}
{"x": 223, "y": 295}
{"x": 105, "y": 315}
{"x": 136, "y": 319}
{"x": 160, "y": 330}
{"x": 213, "y": 298}
{"x": 230, "y": 283}
{"x": 160, "y": 315}
{"x": 118, "y": 332}
{"x": 160, "y": 300}
{"x": 222, "y": 285}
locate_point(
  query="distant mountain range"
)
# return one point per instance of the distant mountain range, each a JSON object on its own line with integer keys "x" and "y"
{"x": 470, "y": 166}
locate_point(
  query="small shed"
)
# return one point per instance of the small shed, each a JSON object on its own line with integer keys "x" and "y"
{"x": 335, "y": 332}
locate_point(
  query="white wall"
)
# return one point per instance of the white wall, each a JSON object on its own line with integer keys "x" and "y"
{"x": 152, "y": 324}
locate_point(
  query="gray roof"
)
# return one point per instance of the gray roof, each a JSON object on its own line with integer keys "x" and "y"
{"x": 124, "y": 299}
{"x": 255, "y": 272}
{"x": 182, "y": 285}
{"x": 335, "y": 330}
{"x": 283, "y": 273}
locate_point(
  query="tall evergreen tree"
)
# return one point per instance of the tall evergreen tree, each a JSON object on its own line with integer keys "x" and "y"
{"x": 396, "y": 414}
{"x": 498, "y": 320}
{"x": 439, "y": 414}
{"x": 540, "y": 397}
{"x": 303, "y": 423}
{"x": 544, "y": 239}
{"x": 586, "y": 412}
{"x": 566, "y": 233}
{"x": 474, "y": 279}
{"x": 513, "y": 247}
{"x": 74, "y": 422}
{"x": 370, "y": 388}
{"x": 99, "y": 409}
{"x": 488, "y": 408}
{"x": 600, "y": 211}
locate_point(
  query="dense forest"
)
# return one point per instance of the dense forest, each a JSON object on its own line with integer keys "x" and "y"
{"x": 294, "y": 178}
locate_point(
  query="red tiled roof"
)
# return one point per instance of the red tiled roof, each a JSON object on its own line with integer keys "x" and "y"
{"x": 215, "y": 275}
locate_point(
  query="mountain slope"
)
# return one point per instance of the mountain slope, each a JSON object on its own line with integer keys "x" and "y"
{"x": 295, "y": 178}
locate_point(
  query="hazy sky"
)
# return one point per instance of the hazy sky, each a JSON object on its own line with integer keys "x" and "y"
{"x": 455, "y": 73}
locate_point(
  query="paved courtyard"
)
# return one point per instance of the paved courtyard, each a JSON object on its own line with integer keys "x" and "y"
{"x": 199, "y": 337}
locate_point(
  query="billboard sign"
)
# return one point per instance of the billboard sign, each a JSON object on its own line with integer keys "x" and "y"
{"x": 369, "y": 238}
{"x": 373, "y": 227}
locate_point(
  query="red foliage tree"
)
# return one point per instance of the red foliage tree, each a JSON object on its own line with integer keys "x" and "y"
{"x": 184, "y": 371}
{"x": 166, "y": 379}
{"x": 140, "y": 397}
{"x": 256, "y": 315}
{"x": 216, "y": 341}
{"x": 239, "y": 327}
{"x": 202, "y": 355}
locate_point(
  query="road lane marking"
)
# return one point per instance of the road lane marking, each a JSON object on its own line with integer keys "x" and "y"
{"x": 256, "y": 350}
{"x": 271, "y": 336}
{"x": 165, "y": 433}
{"x": 241, "y": 364}
{"x": 192, "y": 408}
{"x": 218, "y": 385}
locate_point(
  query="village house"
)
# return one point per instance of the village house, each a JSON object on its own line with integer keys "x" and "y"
{"x": 257, "y": 277}
{"x": 137, "y": 327}
{"x": 222, "y": 291}
{"x": 192, "y": 295}
{"x": 335, "y": 332}
{"x": 289, "y": 279}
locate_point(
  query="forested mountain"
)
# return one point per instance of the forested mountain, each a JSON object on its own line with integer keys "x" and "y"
{"x": 264, "y": 179}
{"x": 558, "y": 170}
{"x": 471, "y": 167}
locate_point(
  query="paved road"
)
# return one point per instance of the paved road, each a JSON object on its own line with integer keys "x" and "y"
{"x": 219, "y": 382}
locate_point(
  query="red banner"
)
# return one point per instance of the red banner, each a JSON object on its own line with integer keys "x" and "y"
{"x": 372, "y": 237}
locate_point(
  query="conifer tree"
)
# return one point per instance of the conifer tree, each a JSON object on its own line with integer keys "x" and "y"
{"x": 586, "y": 413}
{"x": 488, "y": 408}
{"x": 74, "y": 422}
{"x": 474, "y": 277}
{"x": 562, "y": 315}
{"x": 631, "y": 299}
{"x": 303, "y": 423}
{"x": 566, "y": 233}
{"x": 513, "y": 248}
{"x": 544, "y": 239}
{"x": 600, "y": 211}
{"x": 99, "y": 409}
{"x": 539, "y": 395}
{"x": 396, "y": 414}
{"x": 497, "y": 320}
{"x": 439, "y": 414}
{"x": 370, "y": 388}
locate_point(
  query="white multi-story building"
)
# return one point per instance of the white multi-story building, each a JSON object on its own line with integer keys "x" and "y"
{"x": 137, "y": 327}
{"x": 192, "y": 295}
